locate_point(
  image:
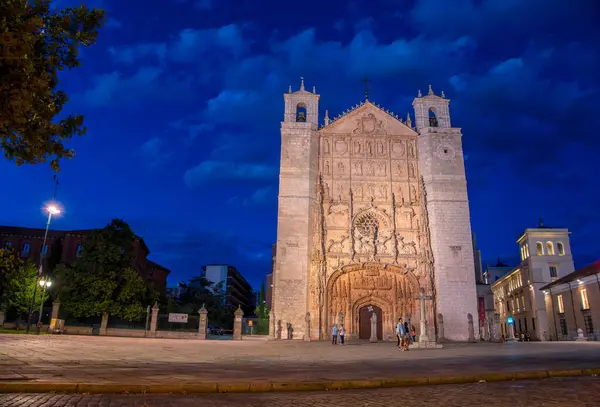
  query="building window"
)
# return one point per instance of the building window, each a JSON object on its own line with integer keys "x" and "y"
{"x": 587, "y": 321}
{"x": 540, "y": 248}
{"x": 553, "y": 273}
{"x": 45, "y": 250}
{"x": 525, "y": 321}
{"x": 523, "y": 302}
{"x": 585, "y": 304}
{"x": 301, "y": 113}
{"x": 561, "y": 249}
{"x": 561, "y": 306}
{"x": 433, "y": 121}
{"x": 563, "y": 326}
{"x": 526, "y": 250}
{"x": 26, "y": 249}
{"x": 550, "y": 248}
{"x": 7, "y": 245}
{"x": 79, "y": 250}
{"x": 533, "y": 323}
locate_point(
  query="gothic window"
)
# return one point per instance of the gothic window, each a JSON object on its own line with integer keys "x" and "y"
{"x": 561, "y": 248}
{"x": 368, "y": 224}
{"x": 301, "y": 112}
{"x": 540, "y": 248}
{"x": 550, "y": 248}
{"x": 26, "y": 249}
{"x": 433, "y": 121}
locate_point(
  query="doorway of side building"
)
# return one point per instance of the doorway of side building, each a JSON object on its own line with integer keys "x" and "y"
{"x": 364, "y": 322}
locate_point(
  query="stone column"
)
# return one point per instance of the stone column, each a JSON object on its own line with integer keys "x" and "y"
{"x": 373, "y": 328}
{"x": 440, "y": 328}
{"x": 237, "y": 324}
{"x": 154, "y": 320}
{"x": 104, "y": 324}
{"x": 55, "y": 308}
{"x": 272, "y": 325}
{"x": 471, "y": 328}
{"x": 423, "y": 331}
{"x": 307, "y": 332}
{"x": 203, "y": 322}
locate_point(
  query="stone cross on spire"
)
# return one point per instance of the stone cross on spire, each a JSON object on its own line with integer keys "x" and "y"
{"x": 301, "y": 83}
{"x": 367, "y": 83}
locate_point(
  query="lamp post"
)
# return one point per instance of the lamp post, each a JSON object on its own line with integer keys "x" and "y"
{"x": 52, "y": 210}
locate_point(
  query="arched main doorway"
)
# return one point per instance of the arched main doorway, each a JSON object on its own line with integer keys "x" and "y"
{"x": 364, "y": 322}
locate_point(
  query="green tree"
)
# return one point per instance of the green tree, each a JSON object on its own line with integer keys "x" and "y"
{"x": 18, "y": 292}
{"x": 200, "y": 291}
{"x": 102, "y": 280}
{"x": 36, "y": 42}
{"x": 9, "y": 262}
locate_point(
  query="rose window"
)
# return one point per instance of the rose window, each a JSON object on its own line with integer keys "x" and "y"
{"x": 368, "y": 223}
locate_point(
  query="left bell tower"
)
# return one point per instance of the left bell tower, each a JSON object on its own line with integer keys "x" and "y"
{"x": 298, "y": 176}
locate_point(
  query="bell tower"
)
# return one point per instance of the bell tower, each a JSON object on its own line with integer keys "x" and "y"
{"x": 298, "y": 178}
{"x": 443, "y": 173}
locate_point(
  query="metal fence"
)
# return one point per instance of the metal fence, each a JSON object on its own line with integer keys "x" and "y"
{"x": 191, "y": 325}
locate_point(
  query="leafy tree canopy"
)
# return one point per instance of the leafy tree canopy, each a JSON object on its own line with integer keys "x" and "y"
{"x": 20, "y": 285}
{"x": 201, "y": 291}
{"x": 102, "y": 279}
{"x": 10, "y": 261}
{"x": 35, "y": 44}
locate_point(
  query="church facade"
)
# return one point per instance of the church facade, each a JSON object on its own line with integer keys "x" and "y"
{"x": 373, "y": 217}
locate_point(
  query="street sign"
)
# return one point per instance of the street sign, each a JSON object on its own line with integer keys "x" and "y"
{"x": 182, "y": 318}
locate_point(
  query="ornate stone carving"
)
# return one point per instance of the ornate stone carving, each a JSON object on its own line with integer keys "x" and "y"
{"x": 411, "y": 170}
{"x": 414, "y": 199}
{"x": 370, "y": 168}
{"x": 357, "y": 147}
{"x": 341, "y": 146}
{"x": 411, "y": 149}
{"x": 369, "y": 125}
{"x": 341, "y": 246}
{"x": 382, "y": 168}
{"x": 326, "y": 147}
{"x": 400, "y": 169}
{"x": 326, "y": 168}
{"x": 341, "y": 168}
{"x": 358, "y": 168}
{"x": 369, "y": 148}
{"x": 337, "y": 215}
{"x": 398, "y": 148}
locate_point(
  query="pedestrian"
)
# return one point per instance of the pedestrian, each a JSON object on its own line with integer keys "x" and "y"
{"x": 413, "y": 334}
{"x": 407, "y": 330}
{"x": 342, "y": 333}
{"x": 400, "y": 333}
{"x": 334, "y": 334}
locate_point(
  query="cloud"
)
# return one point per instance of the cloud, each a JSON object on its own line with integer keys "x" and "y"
{"x": 112, "y": 22}
{"x": 219, "y": 171}
{"x": 154, "y": 153}
{"x": 262, "y": 196}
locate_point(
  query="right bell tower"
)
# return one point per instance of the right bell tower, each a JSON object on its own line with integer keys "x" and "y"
{"x": 442, "y": 169}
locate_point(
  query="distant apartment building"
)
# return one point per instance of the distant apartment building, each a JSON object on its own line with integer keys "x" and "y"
{"x": 545, "y": 258}
{"x": 176, "y": 291}
{"x": 236, "y": 289}
{"x": 64, "y": 246}
{"x": 573, "y": 303}
{"x": 495, "y": 273}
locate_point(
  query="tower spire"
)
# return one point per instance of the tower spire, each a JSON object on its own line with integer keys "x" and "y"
{"x": 430, "y": 92}
{"x": 367, "y": 83}
{"x": 301, "y": 83}
{"x": 326, "y": 117}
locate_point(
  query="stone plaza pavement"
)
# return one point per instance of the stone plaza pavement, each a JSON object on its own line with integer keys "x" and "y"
{"x": 111, "y": 360}
{"x": 582, "y": 392}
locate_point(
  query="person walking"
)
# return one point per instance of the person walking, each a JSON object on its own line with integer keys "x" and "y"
{"x": 334, "y": 334}
{"x": 413, "y": 334}
{"x": 342, "y": 333}
{"x": 407, "y": 331}
{"x": 400, "y": 333}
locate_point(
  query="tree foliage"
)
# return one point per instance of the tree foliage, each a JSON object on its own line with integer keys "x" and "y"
{"x": 200, "y": 291}
{"x": 20, "y": 285}
{"x": 9, "y": 262}
{"x": 102, "y": 278}
{"x": 35, "y": 44}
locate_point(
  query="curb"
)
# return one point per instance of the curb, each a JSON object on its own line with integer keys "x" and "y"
{"x": 265, "y": 386}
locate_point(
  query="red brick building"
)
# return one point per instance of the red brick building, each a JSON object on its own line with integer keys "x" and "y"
{"x": 63, "y": 246}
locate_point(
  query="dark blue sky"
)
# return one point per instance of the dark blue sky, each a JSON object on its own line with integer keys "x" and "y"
{"x": 183, "y": 100}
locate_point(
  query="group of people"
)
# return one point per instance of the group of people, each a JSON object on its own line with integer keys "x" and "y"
{"x": 335, "y": 332}
{"x": 405, "y": 335}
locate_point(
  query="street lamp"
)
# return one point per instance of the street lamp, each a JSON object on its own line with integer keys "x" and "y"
{"x": 44, "y": 284}
{"x": 52, "y": 210}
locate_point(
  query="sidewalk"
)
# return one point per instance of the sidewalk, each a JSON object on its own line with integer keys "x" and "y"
{"x": 105, "y": 364}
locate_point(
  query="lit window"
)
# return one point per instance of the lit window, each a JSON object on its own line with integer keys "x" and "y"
{"x": 561, "y": 307}
{"x": 553, "y": 273}
{"x": 585, "y": 304}
{"x": 26, "y": 249}
{"x": 523, "y": 302}
{"x": 550, "y": 248}
{"x": 522, "y": 252}
{"x": 540, "y": 248}
{"x": 526, "y": 250}
{"x": 561, "y": 249}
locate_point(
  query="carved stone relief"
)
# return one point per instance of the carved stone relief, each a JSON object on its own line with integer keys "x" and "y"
{"x": 411, "y": 170}
{"x": 398, "y": 148}
{"x": 341, "y": 146}
{"x": 399, "y": 168}
{"x": 326, "y": 147}
{"x": 411, "y": 149}
{"x": 358, "y": 168}
{"x": 337, "y": 215}
{"x": 368, "y": 124}
{"x": 326, "y": 168}
{"x": 357, "y": 147}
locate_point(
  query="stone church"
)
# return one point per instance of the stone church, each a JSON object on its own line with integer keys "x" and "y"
{"x": 373, "y": 218}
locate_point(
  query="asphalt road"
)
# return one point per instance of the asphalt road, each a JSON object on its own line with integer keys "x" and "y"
{"x": 576, "y": 392}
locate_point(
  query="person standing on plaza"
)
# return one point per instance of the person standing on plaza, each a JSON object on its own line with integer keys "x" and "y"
{"x": 342, "y": 333}
{"x": 334, "y": 334}
{"x": 407, "y": 330}
{"x": 400, "y": 331}
{"x": 413, "y": 334}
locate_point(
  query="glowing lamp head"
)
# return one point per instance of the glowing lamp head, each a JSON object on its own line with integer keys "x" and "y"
{"x": 45, "y": 283}
{"x": 53, "y": 210}
{"x": 509, "y": 320}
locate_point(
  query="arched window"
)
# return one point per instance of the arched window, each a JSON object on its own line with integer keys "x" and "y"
{"x": 561, "y": 249}
{"x": 550, "y": 248}
{"x": 26, "y": 249}
{"x": 526, "y": 250}
{"x": 522, "y": 252}
{"x": 301, "y": 112}
{"x": 79, "y": 250}
{"x": 540, "y": 248}
{"x": 433, "y": 121}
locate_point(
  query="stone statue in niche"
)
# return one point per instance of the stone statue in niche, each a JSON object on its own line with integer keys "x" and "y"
{"x": 370, "y": 168}
{"x": 371, "y": 190}
{"x": 326, "y": 191}
{"x": 380, "y": 148}
{"x": 337, "y": 215}
{"x": 327, "y": 170}
{"x": 370, "y": 148}
{"x": 413, "y": 194}
{"x": 411, "y": 149}
{"x": 326, "y": 146}
{"x": 358, "y": 168}
{"x": 340, "y": 190}
{"x": 381, "y": 169}
{"x": 400, "y": 196}
{"x": 411, "y": 170}
{"x": 383, "y": 192}
{"x": 340, "y": 167}
{"x": 357, "y": 147}
{"x": 399, "y": 169}
{"x": 359, "y": 191}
